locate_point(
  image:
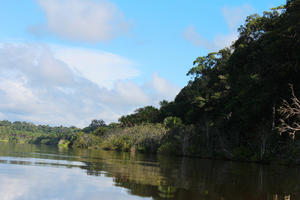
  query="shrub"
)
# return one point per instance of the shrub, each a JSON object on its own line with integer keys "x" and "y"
{"x": 167, "y": 148}
{"x": 82, "y": 140}
{"x": 118, "y": 142}
{"x": 172, "y": 122}
{"x": 63, "y": 143}
{"x": 144, "y": 138}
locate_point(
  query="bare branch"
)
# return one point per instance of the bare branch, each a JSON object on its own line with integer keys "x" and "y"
{"x": 290, "y": 111}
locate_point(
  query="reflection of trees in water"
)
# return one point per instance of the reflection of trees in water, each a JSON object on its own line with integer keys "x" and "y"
{"x": 173, "y": 178}
{"x": 186, "y": 178}
{"x": 282, "y": 197}
{"x": 137, "y": 188}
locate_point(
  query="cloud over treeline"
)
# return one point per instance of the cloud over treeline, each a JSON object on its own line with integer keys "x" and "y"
{"x": 37, "y": 86}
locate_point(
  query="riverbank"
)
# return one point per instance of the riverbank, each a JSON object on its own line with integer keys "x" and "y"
{"x": 171, "y": 138}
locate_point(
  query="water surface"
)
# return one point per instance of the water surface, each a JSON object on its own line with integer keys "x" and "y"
{"x": 43, "y": 172}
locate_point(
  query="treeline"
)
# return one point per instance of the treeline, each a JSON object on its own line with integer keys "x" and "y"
{"x": 24, "y": 132}
{"x": 240, "y": 103}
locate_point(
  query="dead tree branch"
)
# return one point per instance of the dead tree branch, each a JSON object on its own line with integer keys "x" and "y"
{"x": 290, "y": 112}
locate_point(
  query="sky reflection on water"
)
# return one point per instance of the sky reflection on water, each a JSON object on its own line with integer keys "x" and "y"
{"x": 53, "y": 183}
{"x": 29, "y": 172}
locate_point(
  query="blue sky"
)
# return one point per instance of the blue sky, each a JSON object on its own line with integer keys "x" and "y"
{"x": 69, "y": 61}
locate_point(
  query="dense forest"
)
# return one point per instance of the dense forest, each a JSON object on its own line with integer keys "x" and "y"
{"x": 240, "y": 103}
{"x": 23, "y": 132}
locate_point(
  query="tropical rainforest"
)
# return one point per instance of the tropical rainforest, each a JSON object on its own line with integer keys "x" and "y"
{"x": 241, "y": 103}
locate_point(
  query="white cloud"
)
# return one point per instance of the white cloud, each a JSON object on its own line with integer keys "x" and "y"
{"x": 37, "y": 86}
{"x": 224, "y": 40}
{"x": 234, "y": 16}
{"x": 34, "y": 64}
{"x": 19, "y": 182}
{"x": 2, "y": 116}
{"x": 13, "y": 188}
{"x": 83, "y": 20}
{"x": 15, "y": 96}
{"x": 100, "y": 67}
{"x": 132, "y": 93}
{"x": 191, "y": 35}
{"x": 164, "y": 88}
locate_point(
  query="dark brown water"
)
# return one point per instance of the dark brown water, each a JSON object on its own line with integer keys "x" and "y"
{"x": 43, "y": 172}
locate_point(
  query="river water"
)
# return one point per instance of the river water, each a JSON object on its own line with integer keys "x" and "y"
{"x": 43, "y": 172}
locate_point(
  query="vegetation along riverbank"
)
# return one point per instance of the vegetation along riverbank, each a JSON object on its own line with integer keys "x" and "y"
{"x": 240, "y": 103}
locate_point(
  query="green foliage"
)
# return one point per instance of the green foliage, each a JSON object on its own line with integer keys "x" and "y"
{"x": 95, "y": 124}
{"x": 101, "y": 131}
{"x": 118, "y": 143}
{"x": 82, "y": 140}
{"x": 113, "y": 125}
{"x": 23, "y": 132}
{"x": 63, "y": 143}
{"x": 143, "y": 138}
{"x": 168, "y": 149}
{"x": 172, "y": 122}
{"x": 148, "y": 114}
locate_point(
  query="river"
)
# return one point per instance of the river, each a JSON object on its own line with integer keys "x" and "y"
{"x": 31, "y": 172}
